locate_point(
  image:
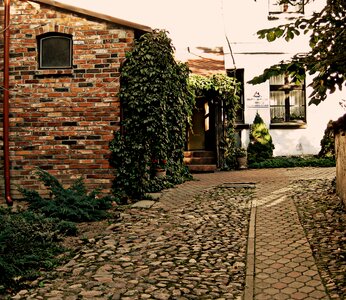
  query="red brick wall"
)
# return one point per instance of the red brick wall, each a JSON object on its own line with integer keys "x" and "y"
{"x": 62, "y": 121}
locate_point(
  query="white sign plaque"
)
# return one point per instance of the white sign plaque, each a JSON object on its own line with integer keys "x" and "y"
{"x": 257, "y": 101}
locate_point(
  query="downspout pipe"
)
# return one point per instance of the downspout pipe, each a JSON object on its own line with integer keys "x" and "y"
{"x": 6, "y": 122}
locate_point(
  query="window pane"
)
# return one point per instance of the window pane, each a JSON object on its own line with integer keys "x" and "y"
{"x": 297, "y": 105}
{"x": 287, "y": 101}
{"x": 55, "y": 52}
{"x": 277, "y": 106}
{"x": 277, "y": 80}
{"x": 295, "y": 7}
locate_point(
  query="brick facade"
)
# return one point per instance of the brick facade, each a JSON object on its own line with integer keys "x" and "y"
{"x": 63, "y": 120}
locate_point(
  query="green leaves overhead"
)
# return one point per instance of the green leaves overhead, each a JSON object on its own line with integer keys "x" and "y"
{"x": 327, "y": 57}
{"x": 288, "y": 31}
{"x": 294, "y": 69}
{"x": 218, "y": 86}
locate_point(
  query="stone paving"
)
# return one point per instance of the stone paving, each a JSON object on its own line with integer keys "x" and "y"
{"x": 284, "y": 264}
{"x": 188, "y": 247}
{"x": 280, "y": 264}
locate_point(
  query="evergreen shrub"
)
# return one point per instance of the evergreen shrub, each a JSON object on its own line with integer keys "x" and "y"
{"x": 328, "y": 142}
{"x": 261, "y": 145}
{"x": 29, "y": 243}
{"x": 73, "y": 204}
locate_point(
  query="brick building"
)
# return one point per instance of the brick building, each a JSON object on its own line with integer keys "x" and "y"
{"x": 64, "y": 81}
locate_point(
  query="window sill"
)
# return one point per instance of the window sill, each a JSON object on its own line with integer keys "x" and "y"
{"x": 284, "y": 15}
{"x": 54, "y": 73}
{"x": 288, "y": 125}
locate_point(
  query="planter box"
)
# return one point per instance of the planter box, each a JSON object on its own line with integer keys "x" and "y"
{"x": 160, "y": 173}
{"x": 242, "y": 162}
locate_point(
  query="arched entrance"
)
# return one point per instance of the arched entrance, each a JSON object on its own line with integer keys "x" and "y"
{"x": 201, "y": 153}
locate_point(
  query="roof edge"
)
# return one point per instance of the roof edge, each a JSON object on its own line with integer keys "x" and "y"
{"x": 95, "y": 14}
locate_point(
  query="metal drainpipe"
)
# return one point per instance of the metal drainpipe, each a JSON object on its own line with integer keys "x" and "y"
{"x": 6, "y": 123}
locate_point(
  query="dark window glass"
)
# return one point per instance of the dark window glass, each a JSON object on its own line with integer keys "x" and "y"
{"x": 239, "y": 75}
{"x": 55, "y": 51}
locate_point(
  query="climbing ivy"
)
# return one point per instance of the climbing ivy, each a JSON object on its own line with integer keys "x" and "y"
{"x": 156, "y": 103}
{"x": 225, "y": 89}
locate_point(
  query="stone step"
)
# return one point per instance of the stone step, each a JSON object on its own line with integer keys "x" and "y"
{"x": 199, "y": 160}
{"x": 202, "y": 168}
{"x": 199, "y": 153}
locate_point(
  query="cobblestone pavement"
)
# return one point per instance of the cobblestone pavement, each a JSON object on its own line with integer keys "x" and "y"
{"x": 188, "y": 247}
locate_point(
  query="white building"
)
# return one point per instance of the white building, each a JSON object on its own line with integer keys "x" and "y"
{"x": 296, "y": 127}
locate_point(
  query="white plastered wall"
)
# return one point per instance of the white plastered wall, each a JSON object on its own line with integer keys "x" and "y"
{"x": 254, "y": 55}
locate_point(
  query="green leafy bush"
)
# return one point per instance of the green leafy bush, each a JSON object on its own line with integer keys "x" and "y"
{"x": 327, "y": 142}
{"x": 29, "y": 242}
{"x": 156, "y": 103}
{"x": 261, "y": 145}
{"x": 71, "y": 204}
{"x": 291, "y": 162}
{"x": 158, "y": 184}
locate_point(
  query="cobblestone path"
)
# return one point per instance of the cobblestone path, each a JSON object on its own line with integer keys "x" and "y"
{"x": 192, "y": 244}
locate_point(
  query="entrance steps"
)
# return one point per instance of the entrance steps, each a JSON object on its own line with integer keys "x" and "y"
{"x": 200, "y": 161}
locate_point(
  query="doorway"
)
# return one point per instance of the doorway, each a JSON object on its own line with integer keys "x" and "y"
{"x": 201, "y": 134}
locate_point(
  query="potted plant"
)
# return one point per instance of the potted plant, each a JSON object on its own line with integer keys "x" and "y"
{"x": 160, "y": 167}
{"x": 241, "y": 156}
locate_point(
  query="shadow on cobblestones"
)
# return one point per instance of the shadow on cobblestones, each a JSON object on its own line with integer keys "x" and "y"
{"x": 196, "y": 251}
{"x": 188, "y": 247}
{"x": 323, "y": 217}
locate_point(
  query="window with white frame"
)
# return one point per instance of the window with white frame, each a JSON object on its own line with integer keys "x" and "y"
{"x": 293, "y": 6}
{"x": 287, "y": 100}
{"x": 55, "y": 50}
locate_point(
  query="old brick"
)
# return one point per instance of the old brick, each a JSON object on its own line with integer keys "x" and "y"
{"x": 86, "y": 84}
{"x": 64, "y": 89}
{"x": 63, "y": 122}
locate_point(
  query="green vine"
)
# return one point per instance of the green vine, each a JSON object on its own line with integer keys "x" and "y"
{"x": 224, "y": 89}
{"x": 156, "y": 103}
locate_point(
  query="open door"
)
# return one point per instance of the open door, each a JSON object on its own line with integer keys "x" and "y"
{"x": 201, "y": 135}
{"x": 196, "y": 134}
